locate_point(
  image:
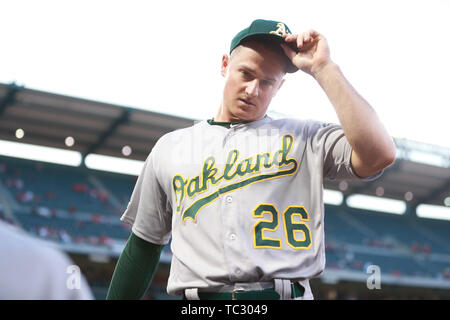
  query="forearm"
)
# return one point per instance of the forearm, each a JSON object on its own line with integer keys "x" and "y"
{"x": 362, "y": 127}
{"x": 134, "y": 270}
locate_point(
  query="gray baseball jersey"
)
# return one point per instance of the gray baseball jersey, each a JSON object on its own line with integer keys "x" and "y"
{"x": 243, "y": 204}
{"x": 31, "y": 269}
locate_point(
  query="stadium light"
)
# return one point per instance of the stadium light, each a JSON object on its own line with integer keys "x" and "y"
{"x": 113, "y": 164}
{"x": 332, "y": 197}
{"x": 427, "y": 158}
{"x": 126, "y": 151}
{"x": 20, "y": 133}
{"x": 70, "y": 141}
{"x": 376, "y": 204}
{"x": 379, "y": 191}
{"x": 447, "y": 202}
{"x": 409, "y": 196}
{"x": 39, "y": 153}
{"x": 433, "y": 212}
{"x": 343, "y": 185}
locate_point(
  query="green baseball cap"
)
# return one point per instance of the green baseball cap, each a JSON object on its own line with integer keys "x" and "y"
{"x": 265, "y": 29}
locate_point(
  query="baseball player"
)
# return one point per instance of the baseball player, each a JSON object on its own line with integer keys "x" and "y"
{"x": 241, "y": 194}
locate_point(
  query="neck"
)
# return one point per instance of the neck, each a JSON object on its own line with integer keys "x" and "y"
{"x": 223, "y": 116}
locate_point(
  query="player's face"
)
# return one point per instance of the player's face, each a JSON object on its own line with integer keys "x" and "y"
{"x": 253, "y": 75}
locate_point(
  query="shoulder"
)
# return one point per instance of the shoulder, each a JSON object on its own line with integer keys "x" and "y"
{"x": 176, "y": 137}
{"x": 306, "y": 128}
{"x": 183, "y": 131}
{"x": 289, "y": 123}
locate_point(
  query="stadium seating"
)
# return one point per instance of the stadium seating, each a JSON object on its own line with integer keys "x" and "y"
{"x": 121, "y": 186}
{"x": 62, "y": 203}
{"x": 59, "y": 187}
{"x": 338, "y": 229}
{"x": 398, "y": 245}
{"x": 406, "y": 232}
{"x": 79, "y": 205}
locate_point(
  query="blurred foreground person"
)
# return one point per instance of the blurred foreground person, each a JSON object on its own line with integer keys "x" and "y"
{"x": 30, "y": 269}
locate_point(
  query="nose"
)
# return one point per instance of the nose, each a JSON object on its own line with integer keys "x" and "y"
{"x": 252, "y": 88}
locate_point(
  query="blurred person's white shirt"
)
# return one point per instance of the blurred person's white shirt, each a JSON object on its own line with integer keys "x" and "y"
{"x": 31, "y": 269}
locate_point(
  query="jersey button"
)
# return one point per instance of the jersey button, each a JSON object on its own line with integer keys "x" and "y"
{"x": 229, "y": 199}
{"x": 232, "y": 236}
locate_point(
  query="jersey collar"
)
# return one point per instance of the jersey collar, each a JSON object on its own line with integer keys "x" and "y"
{"x": 236, "y": 123}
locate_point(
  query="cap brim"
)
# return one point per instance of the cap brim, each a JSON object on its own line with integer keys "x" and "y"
{"x": 290, "y": 68}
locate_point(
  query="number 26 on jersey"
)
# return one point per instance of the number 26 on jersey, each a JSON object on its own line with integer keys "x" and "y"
{"x": 298, "y": 235}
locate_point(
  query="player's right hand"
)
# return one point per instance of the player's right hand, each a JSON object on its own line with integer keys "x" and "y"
{"x": 313, "y": 51}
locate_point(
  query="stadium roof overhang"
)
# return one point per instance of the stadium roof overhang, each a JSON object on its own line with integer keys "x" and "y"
{"x": 104, "y": 129}
{"x": 428, "y": 184}
{"x": 101, "y": 128}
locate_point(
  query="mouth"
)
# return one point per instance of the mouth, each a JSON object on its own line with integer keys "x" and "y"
{"x": 247, "y": 103}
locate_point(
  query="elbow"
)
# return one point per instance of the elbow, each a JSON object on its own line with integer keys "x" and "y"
{"x": 379, "y": 163}
{"x": 391, "y": 154}
{"x": 387, "y": 156}
{"x": 387, "y": 161}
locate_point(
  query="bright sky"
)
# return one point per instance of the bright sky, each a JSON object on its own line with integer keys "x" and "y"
{"x": 165, "y": 55}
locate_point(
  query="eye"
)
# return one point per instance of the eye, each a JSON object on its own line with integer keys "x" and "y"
{"x": 266, "y": 83}
{"x": 246, "y": 75}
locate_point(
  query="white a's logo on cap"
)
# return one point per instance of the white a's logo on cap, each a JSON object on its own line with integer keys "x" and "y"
{"x": 281, "y": 30}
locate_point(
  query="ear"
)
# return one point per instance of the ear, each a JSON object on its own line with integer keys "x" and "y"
{"x": 225, "y": 63}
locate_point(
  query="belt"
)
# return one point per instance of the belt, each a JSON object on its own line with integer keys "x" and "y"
{"x": 297, "y": 291}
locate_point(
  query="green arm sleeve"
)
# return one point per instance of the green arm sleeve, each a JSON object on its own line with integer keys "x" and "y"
{"x": 134, "y": 270}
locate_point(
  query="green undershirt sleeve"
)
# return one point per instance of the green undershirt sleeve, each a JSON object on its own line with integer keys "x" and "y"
{"x": 134, "y": 270}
